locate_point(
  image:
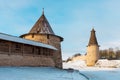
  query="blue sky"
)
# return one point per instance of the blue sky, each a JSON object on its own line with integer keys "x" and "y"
{"x": 71, "y": 19}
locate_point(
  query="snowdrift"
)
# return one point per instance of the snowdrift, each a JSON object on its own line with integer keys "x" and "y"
{"x": 102, "y": 63}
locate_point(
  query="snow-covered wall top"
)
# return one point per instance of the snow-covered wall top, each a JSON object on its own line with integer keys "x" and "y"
{"x": 24, "y": 41}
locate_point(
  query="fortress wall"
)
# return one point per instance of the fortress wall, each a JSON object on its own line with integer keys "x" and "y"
{"x": 29, "y": 60}
{"x": 56, "y": 42}
{"x": 51, "y": 40}
{"x": 83, "y": 57}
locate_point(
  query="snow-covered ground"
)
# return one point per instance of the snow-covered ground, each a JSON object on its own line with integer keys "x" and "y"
{"x": 108, "y": 63}
{"x": 38, "y": 73}
{"x": 78, "y": 64}
{"x": 104, "y": 69}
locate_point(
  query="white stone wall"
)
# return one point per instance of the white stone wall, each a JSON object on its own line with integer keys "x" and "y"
{"x": 92, "y": 55}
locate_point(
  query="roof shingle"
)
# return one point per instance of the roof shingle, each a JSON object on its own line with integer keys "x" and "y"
{"x": 42, "y": 26}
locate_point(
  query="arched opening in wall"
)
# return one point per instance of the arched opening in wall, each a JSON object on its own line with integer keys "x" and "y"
{"x": 4, "y": 46}
{"x": 28, "y": 49}
{"x": 51, "y": 52}
{"x": 33, "y": 50}
{"x": 36, "y": 51}
{"x": 45, "y": 50}
{"x": 48, "y": 52}
{"x": 16, "y": 48}
{"x": 41, "y": 51}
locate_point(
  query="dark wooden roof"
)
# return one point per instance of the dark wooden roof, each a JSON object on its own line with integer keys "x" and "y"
{"x": 42, "y": 26}
{"x": 93, "y": 39}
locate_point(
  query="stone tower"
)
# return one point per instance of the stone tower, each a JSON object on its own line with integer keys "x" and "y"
{"x": 92, "y": 50}
{"x": 42, "y": 32}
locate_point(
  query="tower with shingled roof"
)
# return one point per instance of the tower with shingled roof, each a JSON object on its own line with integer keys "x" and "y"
{"x": 42, "y": 32}
{"x": 92, "y": 50}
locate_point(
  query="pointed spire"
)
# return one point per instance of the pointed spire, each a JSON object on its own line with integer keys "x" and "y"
{"x": 43, "y": 12}
{"x": 93, "y": 30}
{"x": 42, "y": 26}
{"x": 93, "y": 39}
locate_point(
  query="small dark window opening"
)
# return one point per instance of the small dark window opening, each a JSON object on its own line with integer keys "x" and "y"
{"x": 37, "y": 31}
{"x": 47, "y": 36}
{"x": 32, "y": 35}
{"x": 17, "y": 47}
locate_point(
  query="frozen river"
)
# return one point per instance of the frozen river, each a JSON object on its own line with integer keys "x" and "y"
{"x": 47, "y": 73}
{"x": 38, "y": 73}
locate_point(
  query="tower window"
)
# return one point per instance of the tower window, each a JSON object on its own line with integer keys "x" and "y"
{"x": 32, "y": 35}
{"x": 47, "y": 36}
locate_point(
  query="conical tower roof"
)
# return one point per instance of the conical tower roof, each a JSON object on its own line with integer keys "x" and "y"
{"x": 93, "y": 39}
{"x": 42, "y": 26}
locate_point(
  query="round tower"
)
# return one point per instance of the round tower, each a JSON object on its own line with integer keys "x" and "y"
{"x": 42, "y": 32}
{"x": 92, "y": 50}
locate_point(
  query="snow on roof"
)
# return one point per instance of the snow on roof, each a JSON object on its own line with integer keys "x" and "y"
{"x": 24, "y": 41}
